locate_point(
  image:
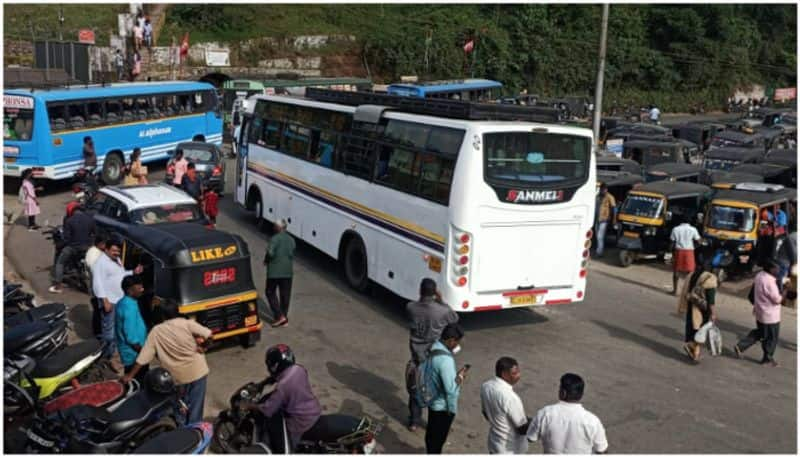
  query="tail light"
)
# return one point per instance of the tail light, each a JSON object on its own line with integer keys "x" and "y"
{"x": 217, "y": 171}
{"x": 460, "y": 256}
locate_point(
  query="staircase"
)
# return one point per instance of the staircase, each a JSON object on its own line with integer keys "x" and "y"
{"x": 158, "y": 16}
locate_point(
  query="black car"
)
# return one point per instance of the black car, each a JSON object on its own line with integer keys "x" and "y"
{"x": 208, "y": 162}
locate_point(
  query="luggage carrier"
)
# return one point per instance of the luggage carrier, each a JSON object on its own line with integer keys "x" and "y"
{"x": 455, "y": 109}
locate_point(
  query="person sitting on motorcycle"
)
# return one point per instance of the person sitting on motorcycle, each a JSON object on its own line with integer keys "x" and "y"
{"x": 78, "y": 232}
{"x": 292, "y": 400}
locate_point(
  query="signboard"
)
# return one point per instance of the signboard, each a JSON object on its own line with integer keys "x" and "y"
{"x": 17, "y": 101}
{"x": 614, "y": 146}
{"x": 218, "y": 58}
{"x": 86, "y": 36}
{"x": 787, "y": 93}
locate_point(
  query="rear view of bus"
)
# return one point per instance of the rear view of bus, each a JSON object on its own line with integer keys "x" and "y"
{"x": 521, "y": 214}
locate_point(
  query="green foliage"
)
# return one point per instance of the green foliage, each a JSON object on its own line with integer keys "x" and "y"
{"x": 26, "y": 22}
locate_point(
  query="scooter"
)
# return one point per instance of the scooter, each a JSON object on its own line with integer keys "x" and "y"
{"x": 49, "y": 312}
{"x": 89, "y": 430}
{"x": 192, "y": 439}
{"x": 76, "y": 274}
{"x": 15, "y": 299}
{"x": 240, "y": 430}
{"x": 36, "y": 339}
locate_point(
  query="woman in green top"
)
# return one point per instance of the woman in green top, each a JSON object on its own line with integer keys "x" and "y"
{"x": 278, "y": 259}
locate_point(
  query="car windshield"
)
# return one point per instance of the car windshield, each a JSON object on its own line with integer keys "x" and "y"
{"x": 17, "y": 124}
{"x": 730, "y": 218}
{"x": 186, "y": 212}
{"x": 198, "y": 154}
{"x": 525, "y": 158}
{"x": 642, "y": 206}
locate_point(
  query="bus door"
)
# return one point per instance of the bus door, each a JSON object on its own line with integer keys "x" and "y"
{"x": 241, "y": 160}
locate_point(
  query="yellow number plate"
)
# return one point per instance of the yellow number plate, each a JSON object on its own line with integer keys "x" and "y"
{"x": 523, "y": 300}
{"x": 250, "y": 320}
{"x": 10, "y": 159}
{"x": 630, "y": 234}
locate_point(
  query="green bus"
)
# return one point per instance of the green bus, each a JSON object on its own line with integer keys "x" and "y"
{"x": 235, "y": 91}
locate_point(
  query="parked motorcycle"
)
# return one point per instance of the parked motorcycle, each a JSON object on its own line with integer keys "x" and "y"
{"x": 15, "y": 299}
{"x": 49, "y": 312}
{"x": 192, "y": 439}
{"x": 36, "y": 339}
{"x": 89, "y": 429}
{"x": 76, "y": 273}
{"x": 239, "y": 429}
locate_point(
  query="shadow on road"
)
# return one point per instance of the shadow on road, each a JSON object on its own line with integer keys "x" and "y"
{"x": 668, "y": 351}
{"x": 378, "y": 389}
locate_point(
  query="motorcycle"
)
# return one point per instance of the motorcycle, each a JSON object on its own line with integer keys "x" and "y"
{"x": 37, "y": 339}
{"x": 15, "y": 299}
{"x": 192, "y": 439}
{"x": 239, "y": 429}
{"x": 49, "y": 312}
{"x": 84, "y": 185}
{"x": 76, "y": 273}
{"x": 88, "y": 429}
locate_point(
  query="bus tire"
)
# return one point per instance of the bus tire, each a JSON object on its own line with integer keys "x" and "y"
{"x": 354, "y": 260}
{"x": 112, "y": 168}
{"x": 199, "y": 138}
{"x": 256, "y": 205}
{"x": 626, "y": 257}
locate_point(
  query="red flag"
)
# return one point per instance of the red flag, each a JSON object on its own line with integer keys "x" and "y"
{"x": 469, "y": 46}
{"x": 185, "y": 45}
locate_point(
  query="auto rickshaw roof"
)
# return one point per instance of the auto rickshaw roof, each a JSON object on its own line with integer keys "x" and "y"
{"x": 760, "y": 169}
{"x": 637, "y": 143}
{"x": 673, "y": 189}
{"x": 618, "y": 178}
{"x": 782, "y": 157}
{"x": 735, "y": 135}
{"x": 756, "y": 198}
{"x": 731, "y": 177}
{"x": 674, "y": 168}
{"x": 611, "y": 159}
{"x": 173, "y": 244}
{"x": 733, "y": 153}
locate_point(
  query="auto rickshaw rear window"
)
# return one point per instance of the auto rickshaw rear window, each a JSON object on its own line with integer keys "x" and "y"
{"x": 733, "y": 219}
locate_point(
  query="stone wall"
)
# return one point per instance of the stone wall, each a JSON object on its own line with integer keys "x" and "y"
{"x": 18, "y": 52}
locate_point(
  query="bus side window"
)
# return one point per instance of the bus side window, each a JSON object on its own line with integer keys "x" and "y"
{"x": 76, "y": 113}
{"x": 94, "y": 110}
{"x": 397, "y": 167}
{"x": 296, "y": 141}
{"x": 113, "y": 111}
{"x": 142, "y": 109}
{"x": 271, "y": 135}
{"x": 57, "y": 116}
{"x": 435, "y": 177}
{"x": 324, "y": 147}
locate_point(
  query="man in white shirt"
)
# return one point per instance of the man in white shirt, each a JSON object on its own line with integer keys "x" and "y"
{"x": 683, "y": 238}
{"x": 502, "y": 407}
{"x": 655, "y": 114}
{"x": 92, "y": 254}
{"x": 566, "y": 427}
{"x": 107, "y": 275}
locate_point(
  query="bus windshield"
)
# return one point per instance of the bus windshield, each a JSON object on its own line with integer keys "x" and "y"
{"x": 642, "y": 206}
{"x": 730, "y": 218}
{"x": 524, "y": 158}
{"x": 17, "y": 124}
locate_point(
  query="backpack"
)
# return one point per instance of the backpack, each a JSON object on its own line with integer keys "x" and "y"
{"x": 427, "y": 383}
{"x": 21, "y": 196}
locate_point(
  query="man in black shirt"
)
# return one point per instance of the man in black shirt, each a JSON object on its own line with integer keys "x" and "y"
{"x": 89, "y": 156}
{"x": 79, "y": 231}
{"x": 191, "y": 183}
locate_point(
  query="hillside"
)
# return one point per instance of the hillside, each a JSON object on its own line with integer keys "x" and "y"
{"x": 23, "y": 21}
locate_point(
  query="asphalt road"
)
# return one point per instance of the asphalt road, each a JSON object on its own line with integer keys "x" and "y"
{"x": 624, "y": 339}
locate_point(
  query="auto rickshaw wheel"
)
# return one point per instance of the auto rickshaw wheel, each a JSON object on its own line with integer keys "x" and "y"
{"x": 250, "y": 339}
{"x": 626, "y": 257}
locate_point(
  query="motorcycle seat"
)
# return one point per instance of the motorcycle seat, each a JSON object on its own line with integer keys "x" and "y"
{"x": 63, "y": 360}
{"x": 20, "y": 336}
{"x": 48, "y": 313}
{"x": 136, "y": 409}
{"x": 180, "y": 441}
{"x": 331, "y": 427}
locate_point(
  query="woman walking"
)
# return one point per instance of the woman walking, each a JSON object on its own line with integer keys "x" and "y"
{"x": 137, "y": 173}
{"x": 697, "y": 301}
{"x": 28, "y": 198}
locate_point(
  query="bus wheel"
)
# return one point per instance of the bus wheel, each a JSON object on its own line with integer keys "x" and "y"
{"x": 355, "y": 264}
{"x": 112, "y": 169}
{"x": 259, "y": 213}
{"x": 626, "y": 257}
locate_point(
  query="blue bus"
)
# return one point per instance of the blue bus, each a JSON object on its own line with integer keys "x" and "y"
{"x": 44, "y": 129}
{"x": 473, "y": 90}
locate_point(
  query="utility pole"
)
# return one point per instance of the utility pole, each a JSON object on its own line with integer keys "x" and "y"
{"x": 601, "y": 68}
{"x": 60, "y": 23}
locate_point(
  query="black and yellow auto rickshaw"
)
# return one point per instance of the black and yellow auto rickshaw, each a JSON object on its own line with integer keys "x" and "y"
{"x": 618, "y": 183}
{"x": 737, "y": 139}
{"x": 651, "y": 211}
{"x": 787, "y": 158}
{"x": 729, "y": 157}
{"x": 720, "y": 179}
{"x": 771, "y": 173}
{"x": 699, "y": 133}
{"x": 653, "y": 152}
{"x": 612, "y": 163}
{"x": 206, "y": 272}
{"x": 684, "y": 172}
{"x": 733, "y": 221}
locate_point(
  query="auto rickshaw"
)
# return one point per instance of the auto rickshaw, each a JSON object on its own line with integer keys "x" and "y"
{"x": 612, "y": 163}
{"x": 206, "y": 272}
{"x": 684, "y": 172}
{"x": 652, "y": 152}
{"x": 736, "y": 138}
{"x": 619, "y": 183}
{"x": 699, "y": 133}
{"x": 729, "y": 157}
{"x": 771, "y": 173}
{"x": 720, "y": 179}
{"x": 651, "y": 211}
{"x": 732, "y": 223}
{"x": 785, "y": 157}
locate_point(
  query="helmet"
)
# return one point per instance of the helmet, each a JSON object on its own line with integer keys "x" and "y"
{"x": 279, "y": 358}
{"x": 159, "y": 380}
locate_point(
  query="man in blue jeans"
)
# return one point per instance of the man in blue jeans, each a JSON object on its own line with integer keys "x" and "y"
{"x": 179, "y": 344}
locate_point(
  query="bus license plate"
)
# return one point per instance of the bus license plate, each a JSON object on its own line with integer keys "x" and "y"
{"x": 630, "y": 234}
{"x": 250, "y": 320}
{"x": 10, "y": 159}
{"x": 520, "y": 300}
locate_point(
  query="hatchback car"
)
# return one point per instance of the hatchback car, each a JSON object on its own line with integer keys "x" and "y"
{"x": 148, "y": 204}
{"x": 208, "y": 162}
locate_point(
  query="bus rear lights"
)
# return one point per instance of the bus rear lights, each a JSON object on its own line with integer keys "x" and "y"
{"x": 217, "y": 171}
{"x": 463, "y": 249}
{"x": 583, "y": 274}
{"x": 585, "y": 253}
{"x": 464, "y": 238}
{"x": 579, "y": 294}
{"x": 462, "y": 281}
{"x": 465, "y": 304}
{"x": 463, "y": 260}
{"x": 584, "y": 263}
{"x": 589, "y": 234}
{"x": 461, "y": 271}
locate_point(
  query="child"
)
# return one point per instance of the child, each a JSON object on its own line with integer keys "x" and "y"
{"x": 210, "y": 199}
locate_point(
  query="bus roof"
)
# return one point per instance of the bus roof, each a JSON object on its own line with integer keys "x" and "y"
{"x": 445, "y": 86}
{"x": 275, "y": 83}
{"x": 110, "y": 90}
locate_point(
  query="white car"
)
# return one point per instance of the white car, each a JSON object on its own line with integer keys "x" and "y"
{"x": 145, "y": 204}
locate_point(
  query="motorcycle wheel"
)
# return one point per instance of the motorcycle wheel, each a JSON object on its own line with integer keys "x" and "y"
{"x": 224, "y": 439}
{"x": 165, "y": 424}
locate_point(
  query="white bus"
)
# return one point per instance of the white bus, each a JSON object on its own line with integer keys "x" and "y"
{"x": 499, "y": 213}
